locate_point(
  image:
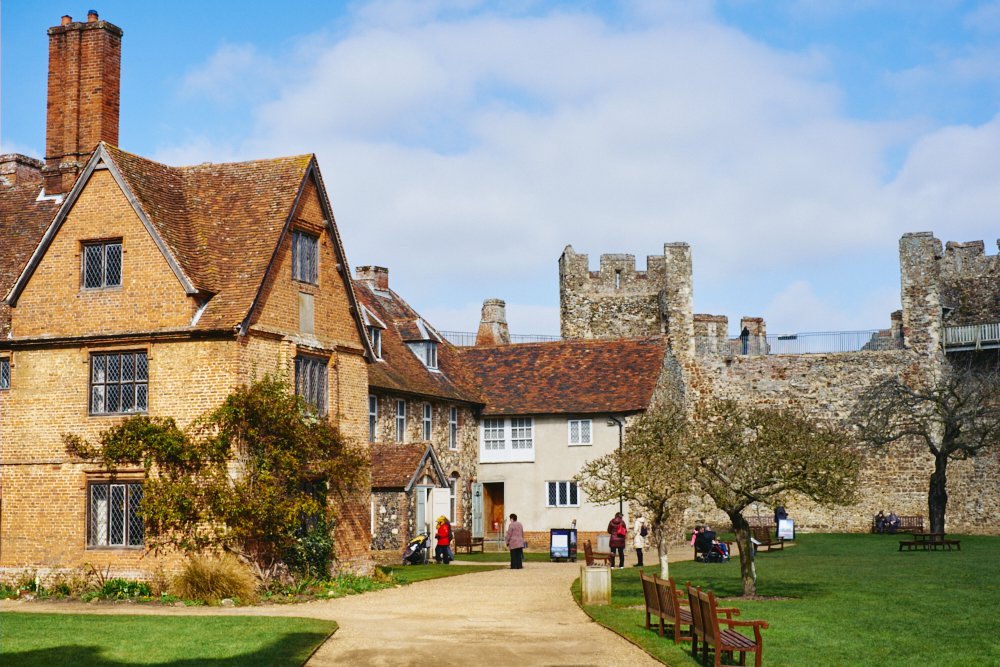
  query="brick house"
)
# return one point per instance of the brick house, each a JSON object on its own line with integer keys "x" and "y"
{"x": 132, "y": 287}
{"x": 422, "y": 418}
{"x": 550, "y": 408}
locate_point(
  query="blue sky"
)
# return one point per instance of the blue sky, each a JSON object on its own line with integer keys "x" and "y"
{"x": 465, "y": 144}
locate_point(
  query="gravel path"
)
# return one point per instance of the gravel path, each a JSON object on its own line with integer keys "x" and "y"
{"x": 504, "y": 617}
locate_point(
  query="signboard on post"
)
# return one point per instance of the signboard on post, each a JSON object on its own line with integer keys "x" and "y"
{"x": 786, "y": 529}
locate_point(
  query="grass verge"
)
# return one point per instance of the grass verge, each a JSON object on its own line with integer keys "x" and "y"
{"x": 842, "y": 600}
{"x": 90, "y": 639}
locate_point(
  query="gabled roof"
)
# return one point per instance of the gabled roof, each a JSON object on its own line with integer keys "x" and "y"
{"x": 567, "y": 377}
{"x": 400, "y": 369}
{"x": 219, "y": 226}
{"x": 23, "y": 220}
{"x": 398, "y": 466}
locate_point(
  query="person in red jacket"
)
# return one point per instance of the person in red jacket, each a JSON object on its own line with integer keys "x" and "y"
{"x": 441, "y": 552}
{"x": 618, "y": 531}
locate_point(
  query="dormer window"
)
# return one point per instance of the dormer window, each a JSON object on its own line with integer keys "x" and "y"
{"x": 305, "y": 258}
{"x": 102, "y": 265}
{"x": 426, "y": 351}
{"x": 375, "y": 337}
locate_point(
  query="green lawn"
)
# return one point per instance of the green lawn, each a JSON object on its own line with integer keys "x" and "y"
{"x": 407, "y": 574}
{"x": 504, "y": 557}
{"x": 84, "y": 639}
{"x": 844, "y": 600}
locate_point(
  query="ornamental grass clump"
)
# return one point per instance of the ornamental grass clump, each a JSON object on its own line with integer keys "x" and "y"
{"x": 211, "y": 579}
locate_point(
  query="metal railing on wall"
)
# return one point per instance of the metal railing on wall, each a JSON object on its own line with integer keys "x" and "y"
{"x": 821, "y": 342}
{"x": 468, "y": 338}
{"x": 972, "y": 336}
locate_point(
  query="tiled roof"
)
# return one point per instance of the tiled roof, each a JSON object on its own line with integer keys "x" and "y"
{"x": 221, "y": 221}
{"x": 399, "y": 369}
{"x": 23, "y": 221}
{"x": 394, "y": 465}
{"x": 577, "y": 376}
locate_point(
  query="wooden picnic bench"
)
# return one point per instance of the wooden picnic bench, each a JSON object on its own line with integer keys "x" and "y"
{"x": 664, "y": 602}
{"x": 465, "y": 540}
{"x": 595, "y": 557}
{"x": 907, "y": 524}
{"x": 707, "y": 617}
{"x": 930, "y": 542}
{"x": 766, "y": 539}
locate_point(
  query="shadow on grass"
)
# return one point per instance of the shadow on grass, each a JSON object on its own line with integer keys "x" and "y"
{"x": 291, "y": 649}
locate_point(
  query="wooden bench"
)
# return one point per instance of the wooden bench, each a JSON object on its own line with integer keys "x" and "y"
{"x": 930, "y": 542}
{"x": 595, "y": 557}
{"x": 465, "y": 540}
{"x": 663, "y": 602}
{"x": 707, "y": 617}
{"x": 907, "y": 524}
{"x": 766, "y": 539}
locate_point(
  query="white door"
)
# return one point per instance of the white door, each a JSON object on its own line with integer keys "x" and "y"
{"x": 477, "y": 509}
{"x": 440, "y": 500}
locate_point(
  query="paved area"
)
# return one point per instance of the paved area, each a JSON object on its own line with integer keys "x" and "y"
{"x": 504, "y": 617}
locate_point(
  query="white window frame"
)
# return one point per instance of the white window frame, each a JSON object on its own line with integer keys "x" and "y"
{"x": 563, "y": 490}
{"x": 507, "y": 440}
{"x": 372, "y": 418}
{"x": 453, "y": 429}
{"x": 426, "y": 352}
{"x": 453, "y": 497}
{"x": 428, "y": 421}
{"x": 579, "y": 425}
{"x": 375, "y": 337}
{"x": 400, "y": 420}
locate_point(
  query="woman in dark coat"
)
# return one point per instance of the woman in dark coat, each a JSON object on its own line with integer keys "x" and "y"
{"x": 618, "y": 531}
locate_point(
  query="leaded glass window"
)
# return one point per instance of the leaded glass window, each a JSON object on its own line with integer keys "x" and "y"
{"x": 579, "y": 431}
{"x": 562, "y": 494}
{"x": 310, "y": 381}
{"x": 305, "y": 257}
{"x": 119, "y": 383}
{"x": 113, "y": 515}
{"x": 102, "y": 265}
{"x": 5, "y": 373}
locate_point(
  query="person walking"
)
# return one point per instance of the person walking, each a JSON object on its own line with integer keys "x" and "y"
{"x": 641, "y": 530}
{"x": 515, "y": 542}
{"x": 442, "y": 551}
{"x": 618, "y": 531}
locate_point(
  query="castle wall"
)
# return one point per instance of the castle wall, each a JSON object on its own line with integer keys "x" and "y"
{"x": 970, "y": 284}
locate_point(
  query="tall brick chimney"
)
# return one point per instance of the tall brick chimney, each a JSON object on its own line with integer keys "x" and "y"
{"x": 376, "y": 276}
{"x": 84, "y": 84}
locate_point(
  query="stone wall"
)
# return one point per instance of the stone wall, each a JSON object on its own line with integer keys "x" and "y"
{"x": 970, "y": 284}
{"x": 617, "y": 301}
{"x": 391, "y": 519}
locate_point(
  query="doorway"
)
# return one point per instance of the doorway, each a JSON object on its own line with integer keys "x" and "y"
{"x": 493, "y": 511}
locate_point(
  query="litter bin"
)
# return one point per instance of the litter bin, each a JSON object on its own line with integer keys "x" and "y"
{"x": 603, "y": 543}
{"x": 595, "y": 584}
{"x": 562, "y": 544}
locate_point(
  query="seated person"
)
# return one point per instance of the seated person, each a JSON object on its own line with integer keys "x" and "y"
{"x": 880, "y": 522}
{"x": 892, "y": 522}
{"x": 704, "y": 539}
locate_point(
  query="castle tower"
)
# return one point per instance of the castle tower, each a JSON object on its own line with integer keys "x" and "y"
{"x": 84, "y": 90}
{"x": 920, "y": 277}
{"x": 617, "y": 301}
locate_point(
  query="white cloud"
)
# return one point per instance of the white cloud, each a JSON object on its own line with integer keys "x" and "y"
{"x": 465, "y": 152}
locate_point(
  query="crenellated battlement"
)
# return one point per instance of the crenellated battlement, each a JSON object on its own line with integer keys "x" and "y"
{"x": 619, "y": 301}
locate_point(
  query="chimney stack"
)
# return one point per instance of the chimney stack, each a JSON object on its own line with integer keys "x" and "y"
{"x": 377, "y": 276}
{"x": 84, "y": 86}
{"x": 493, "y": 326}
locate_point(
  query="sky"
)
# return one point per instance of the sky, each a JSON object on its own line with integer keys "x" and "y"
{"x": 464, "y": 144}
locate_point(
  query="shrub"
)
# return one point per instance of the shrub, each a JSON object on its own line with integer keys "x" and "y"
{"x": 122, "y": 589}
{"x": 310, "y": 556}
{"x": 211, "y": 579}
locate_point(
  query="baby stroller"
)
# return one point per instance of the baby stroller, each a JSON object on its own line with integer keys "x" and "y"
{"x": 711, "y": 550}
{"x": 416, "y": 551}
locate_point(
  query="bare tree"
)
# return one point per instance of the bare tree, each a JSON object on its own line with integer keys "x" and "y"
{"x": 748, "y": 455}
{"x": 649, "y": 470}
{"x": 956, "y": 415}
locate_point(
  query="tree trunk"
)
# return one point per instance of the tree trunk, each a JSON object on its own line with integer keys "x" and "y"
{"x": 662, "y": 549}
{"x": 937, "y": 496}
{"x": 748, "y": 570}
